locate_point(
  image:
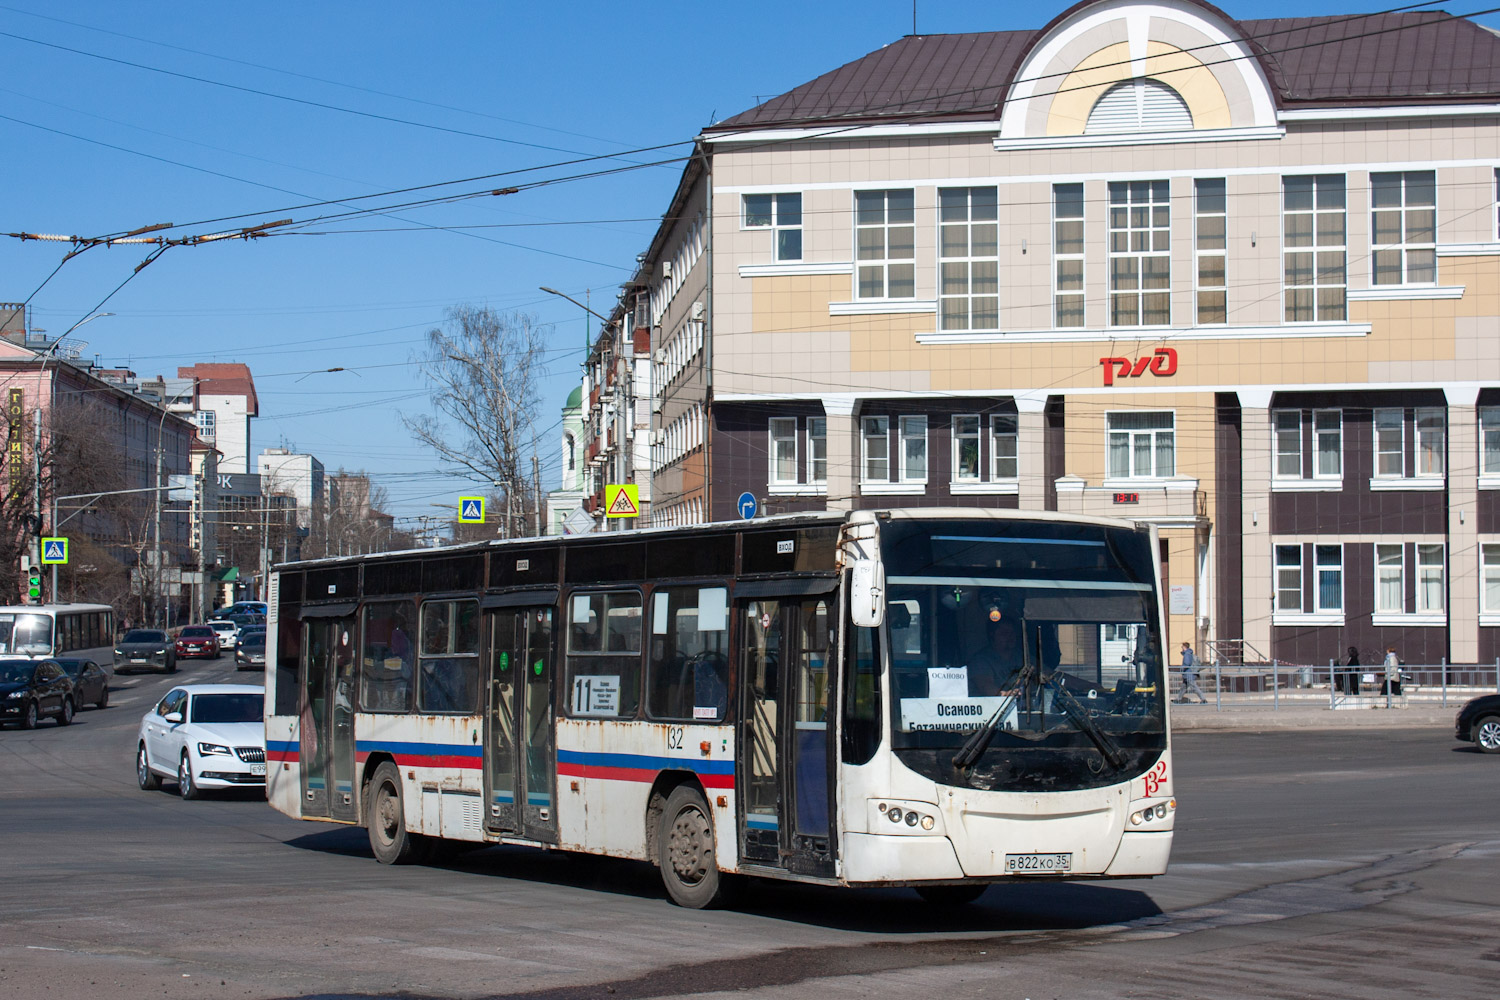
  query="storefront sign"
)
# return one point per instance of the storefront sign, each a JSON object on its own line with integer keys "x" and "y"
{"x": 1161, "y": 362}
{"x": 14, "y": 411}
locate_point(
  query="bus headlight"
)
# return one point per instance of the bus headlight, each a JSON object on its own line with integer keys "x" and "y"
{"x": 893, "y": 814}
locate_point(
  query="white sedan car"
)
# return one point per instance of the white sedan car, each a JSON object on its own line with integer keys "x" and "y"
{"x": 203, "y": 736}
{"x": 229, "y": 632}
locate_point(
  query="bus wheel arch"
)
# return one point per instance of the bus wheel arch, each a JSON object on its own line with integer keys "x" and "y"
{"x": 656, "y": 805}
{"x": 367, "y": 774}
{"x": 687, "y": 851}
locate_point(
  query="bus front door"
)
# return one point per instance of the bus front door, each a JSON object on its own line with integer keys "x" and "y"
{"x": 520, "y": 755}
{"x": 327, "y": 740}
{"x": 785, "y": 784}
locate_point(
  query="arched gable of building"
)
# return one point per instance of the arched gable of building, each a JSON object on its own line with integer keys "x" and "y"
{"x": 1141, "y": 72}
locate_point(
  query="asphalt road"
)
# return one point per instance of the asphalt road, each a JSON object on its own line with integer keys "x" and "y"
{"x": 1308, "y": 864}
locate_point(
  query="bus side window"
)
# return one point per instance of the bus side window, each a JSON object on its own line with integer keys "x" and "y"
{"x": 604, "y": 654}
{"x": 861, "y": 697}
{"x": 687, "y": 676}
{"x": 389, "y": 657}
{"x": 448, "y": 680}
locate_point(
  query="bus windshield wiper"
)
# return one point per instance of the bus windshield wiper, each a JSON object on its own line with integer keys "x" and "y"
{"x": 975, "y": 746}
{"x": 1079, "y": 716}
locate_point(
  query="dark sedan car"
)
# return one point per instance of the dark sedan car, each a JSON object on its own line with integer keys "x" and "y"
{"x": 250, "y": 654}
{"x": 1479, "y": 721}
{"x": 146, "y": 647}
{"x": 90, "y": 682}
{"x": 30, "y": 689}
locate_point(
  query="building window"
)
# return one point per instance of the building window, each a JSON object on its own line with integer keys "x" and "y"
{"x": 1288, "y": 432}
{"x": 969, "y": 285}
{"x": 1390, "y": 444}
{"x": 1432, "y": 441}
{"x": 1210, "y": 242}
{"x": 780, "y": 213}
{"x": 966, "y": 449}
{"x": 1313, "y": 245}
{"x": 1140, "y": 253}
{"x": 783, "y": 450}
{"x": 1139, "y": 106}
{"x": 1288, "y": 578}
{"x": 206, "y": 420}
{"x": 1403, "y": 227}
{"x": 1430, "y": 589}
{"x": 1390, "y": 582}
{"x": 913, "y": 449}
{"x": 1489, "y": 569}
{"x": 885, "y": 237}
{"x": 1328, "y": 440}
{"x": 1141, "y": 445}
{"x": 817, "y": 450}
{"x": 1003, "y": 433}
{"x": 1067, "y": 254}
{"x": 1489, "y": 440}
{"x": 1328, "y": 564}
{"x": 876, "y": 445}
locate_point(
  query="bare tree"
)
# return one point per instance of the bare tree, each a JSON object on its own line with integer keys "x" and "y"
{"x": 484, "y": 367}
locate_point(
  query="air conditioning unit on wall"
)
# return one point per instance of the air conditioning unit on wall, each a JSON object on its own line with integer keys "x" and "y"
{"x": 696, "y": 312}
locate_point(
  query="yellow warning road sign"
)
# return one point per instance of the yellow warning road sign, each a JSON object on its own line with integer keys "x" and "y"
{"x": 622, "y": 500}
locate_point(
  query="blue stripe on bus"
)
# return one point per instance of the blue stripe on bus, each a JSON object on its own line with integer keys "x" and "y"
{"x": 314, "y": 782}
{"x": 505, "y": 798}
{"x": 644, "y": 762}
{"x": 762, "y": 822}
{"x": 420, "y": 749}
{"x": 282, "y": 746}
{"x": 538, "y": 799}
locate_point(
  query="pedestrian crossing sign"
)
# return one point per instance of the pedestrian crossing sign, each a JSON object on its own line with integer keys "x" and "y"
{"x": 54, "y": 551}
{"x": 622, "y": 500}
{"x": 471, "y": 510}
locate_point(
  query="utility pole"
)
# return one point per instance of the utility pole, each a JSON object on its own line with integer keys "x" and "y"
{"x": 36, "y": 500}
{"x": 536, "y": 489}
{"x": 156, "y": 532}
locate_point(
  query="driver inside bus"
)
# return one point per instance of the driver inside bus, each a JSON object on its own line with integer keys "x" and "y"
{"x": 993, "y": 667}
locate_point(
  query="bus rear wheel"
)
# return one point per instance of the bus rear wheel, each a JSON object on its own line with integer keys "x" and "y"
{"x": 951, "y": 895}
{"x": 386, "y": 820}
{"x": 685, "y": 852}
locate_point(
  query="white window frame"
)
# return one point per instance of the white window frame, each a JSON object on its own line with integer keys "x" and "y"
{"x": 1005, "y": 433}
{"x": 1425, "y": 569}
{"x": 777, "y": 437}
{"x": 1489, "y": 433}
{"x": 207, "y": 421}
{"x": 907, "y": 431}
{"x": 1277, "y": 568}
{"x": 1406, "y": 246}
{"x": 1383, "y": 572}
{"x": 977, "y": 221}
{"x": 817, "y": 450}
{"x": 1209, "y": 247}
{"x": 1318, "y": 568}
{"x": 776, "y": 220}
{"x": 1059, "y": 258}
{"x": 865, "y": 437}
{"x": 976, "y": 438}
{"x": 1317, "y": 452}
{"x": 1426, "y": 446}
{"x": 1277, "y": 451}
{"x": 1400, "y": 415}
{"x": 1489, "y": 570}
{"x": 886, "y": 263}
{"x": 1131, "y": 434}
{"x": 1314, "y": 249}
{"x": 1140, "y": 245}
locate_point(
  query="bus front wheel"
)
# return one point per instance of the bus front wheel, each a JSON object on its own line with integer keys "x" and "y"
{"x": 386, "y": 821}
{"x": 685, "y": 852}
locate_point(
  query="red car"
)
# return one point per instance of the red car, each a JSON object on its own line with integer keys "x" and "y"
{"x": 198, "y": 640}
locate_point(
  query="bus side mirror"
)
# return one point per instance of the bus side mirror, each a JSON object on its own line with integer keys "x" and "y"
{"x": 867, "y": 593}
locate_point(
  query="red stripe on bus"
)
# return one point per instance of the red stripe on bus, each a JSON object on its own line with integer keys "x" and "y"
{"x": 282, "y": 756}
{"x": 429, "y": 760}
{"x": 636, "y": 774}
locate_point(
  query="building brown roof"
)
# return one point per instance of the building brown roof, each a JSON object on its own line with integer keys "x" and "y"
{"x": 1412, "y": 57}
{"x": 226, "y": 378}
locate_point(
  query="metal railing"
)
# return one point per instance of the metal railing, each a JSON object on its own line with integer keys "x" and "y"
{"x": 1276, "y": 684}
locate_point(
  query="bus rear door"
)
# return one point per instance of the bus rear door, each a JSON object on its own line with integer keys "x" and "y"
{"x": 327, "y": 750}
{"x": 785, "y": 787}
{"x": 520, "y": 752}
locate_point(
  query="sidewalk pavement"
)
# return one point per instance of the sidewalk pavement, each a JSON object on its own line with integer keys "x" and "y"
{"x": 1304, "y": 716}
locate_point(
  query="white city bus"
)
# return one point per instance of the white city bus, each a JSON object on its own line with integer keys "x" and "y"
{"x": 75, "y": 631}
{"x": 903, "y": 697}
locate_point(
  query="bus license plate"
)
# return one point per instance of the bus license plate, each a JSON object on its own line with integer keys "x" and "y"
{"x": 258, "y": 769}
{"x": 1038, "y": 864}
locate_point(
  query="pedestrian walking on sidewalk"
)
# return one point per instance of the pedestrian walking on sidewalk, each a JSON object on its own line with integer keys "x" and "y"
{"x": 1190, "y": 676}
{"x": 1392, "y": 672}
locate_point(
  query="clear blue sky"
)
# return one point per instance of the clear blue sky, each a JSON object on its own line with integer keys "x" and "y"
{"x": 584, "y": 77}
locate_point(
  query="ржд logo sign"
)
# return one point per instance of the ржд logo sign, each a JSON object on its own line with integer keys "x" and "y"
{"x": 1162, "y": 362}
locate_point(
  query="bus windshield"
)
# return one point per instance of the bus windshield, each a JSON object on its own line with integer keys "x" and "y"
{"x": 27, "y": 634}
{"x": 1008, "y": 637}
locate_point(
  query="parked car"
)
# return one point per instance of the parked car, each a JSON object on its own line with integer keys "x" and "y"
{"x": 30, "y": 689}
{"x": 251, "y": 652}
{"x": 90, "y": 682}
{"x": 244, "y": 608}
{"x": 228, "y": 632}
{"x": 1479, "y": 722}
{"x": 146, "y": 647}
{"x": 203, "y": 736}
{"x": 198, "y": 640}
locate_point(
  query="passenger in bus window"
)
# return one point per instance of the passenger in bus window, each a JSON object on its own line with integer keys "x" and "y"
{"x": 994, "y": 665}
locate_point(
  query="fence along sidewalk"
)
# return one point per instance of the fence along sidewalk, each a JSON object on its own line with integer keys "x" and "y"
{"x": 1272, "y": 684}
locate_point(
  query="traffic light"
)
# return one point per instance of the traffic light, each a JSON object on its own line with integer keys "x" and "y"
{"x": 33, "y": 580}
